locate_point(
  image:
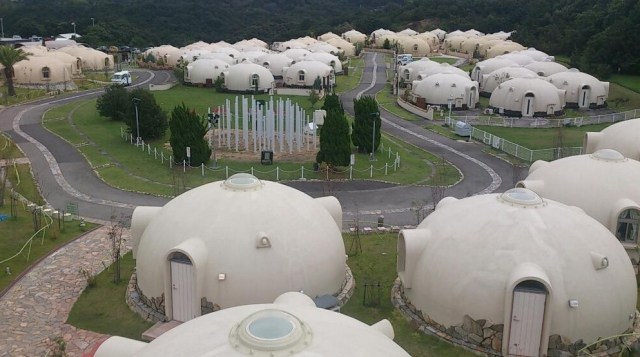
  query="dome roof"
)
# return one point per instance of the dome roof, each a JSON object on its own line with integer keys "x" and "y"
{"x": 323, "y": 47}
{"x": 349, "y": 49}
{"x": 219, "y": 56}
{"x": 92, "y": 60}
{"x": 238, "y": 77}
{"x": 327, "y": 36}
{"x": 492, "y": 80}
{"x": 623, "y": 137}
{"x": 410, "y": 71}
{"x": 599, "y": 183}
{"x": 546, "y": 68}
{"x": 504, "y": 47}
{"x": 573, "y": 81}
{"x": 267, "y": 238}
{"x": 201, "y": 70}
{"x": 312, "y": 69}
{"x": 443, "y": 68}
{"x": 489, "y": 65}
{"x": 354, "y": 36}
{"x": 31, "y": 70}
{"x": 517, "y": 57}
{"x": 510, "y": 95}
{"x": 536, "y": 55}
{"x": 408, "y": 32}
{"x": 501, "y": 240}
{"x": 440, "y": 87}
{"x": 275, "y": 62}
{"x": 328, "y": 59}
{"x": 283, "y": 328}
{"x": 297, "y": 54}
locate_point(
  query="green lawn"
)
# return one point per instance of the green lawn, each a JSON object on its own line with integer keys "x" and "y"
{"x": 543, "y": 138}
{"x": 627, "y": 98}
{"x": 627, "y": 81}
{"x": 388, "y": 101}
{"x": 18, "y": 233}
{"x": 102, "y": 308}
{"x": 448, "y": 60}
{"x": 347, "y": 83}
{"x": 124, "y": 166}
{"x": 377, "y": 263}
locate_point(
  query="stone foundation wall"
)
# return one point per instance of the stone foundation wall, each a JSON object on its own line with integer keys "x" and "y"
{"x": 151, "y": 309}
{"x": 485, "y": 338}
{"x": 348, "y": 287}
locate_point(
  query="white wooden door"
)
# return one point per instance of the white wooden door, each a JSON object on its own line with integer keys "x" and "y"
{"x": 585, "y": 94}
{"x": 527, "y": 315}
{"x": 527, "y": 107}
{"x": 182, "y": 291}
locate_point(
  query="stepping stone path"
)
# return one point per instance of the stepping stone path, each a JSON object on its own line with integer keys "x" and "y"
{"x": 35, "y": 309}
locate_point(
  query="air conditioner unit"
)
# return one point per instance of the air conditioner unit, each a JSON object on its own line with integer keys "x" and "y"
{"x": 501, "y": 110}
{"x": 488, "y": 111}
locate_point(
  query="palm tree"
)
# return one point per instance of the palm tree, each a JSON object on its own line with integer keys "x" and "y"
{"x": 8, "y": 57}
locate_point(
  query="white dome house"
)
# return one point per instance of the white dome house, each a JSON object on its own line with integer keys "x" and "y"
{"x": 623, "y": 137}
{"x": 275, "y": 62}
{"x": 583, "y": 90}
{"x": 518, "y": 275}
{"x": 204, "y": 71}
{"x": 604, "y": 184}
{"x": 492, "y": 80}
{"x": 304, "y": 74}
{"x": 290, "y": 326}
{"x": 355, "y": 37}
{"x": 442, "y": 89}
{"x": 237, "y": 242}
{"x": 248, "y": 77}
{"x": 546, "y": 68}
{"x": 527, "y": 97}
{"x": 489, "y": 65}
{"x": 410, "y": 71}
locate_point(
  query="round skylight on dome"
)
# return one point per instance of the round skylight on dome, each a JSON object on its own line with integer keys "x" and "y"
{"x": 242, "y": 182}
{"x": 270, "y": 332}
{"x": 522, "y": 197}
{"x": 608, "y": 155}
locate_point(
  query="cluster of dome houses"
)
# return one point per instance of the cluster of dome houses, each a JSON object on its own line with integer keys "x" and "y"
{"x": 519, "y": 81}
{"x": 254, "y": 267}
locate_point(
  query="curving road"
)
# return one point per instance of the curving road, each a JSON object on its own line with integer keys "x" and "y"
{"x": 65, "y": 176}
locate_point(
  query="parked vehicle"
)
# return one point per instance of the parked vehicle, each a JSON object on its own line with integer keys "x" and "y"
{"x": 404, "y": 58}
{"x": 123, "y": 78}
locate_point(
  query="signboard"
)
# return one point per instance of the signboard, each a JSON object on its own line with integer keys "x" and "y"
{"x": 72, "y": 208}
{"x": 189, "y": 151}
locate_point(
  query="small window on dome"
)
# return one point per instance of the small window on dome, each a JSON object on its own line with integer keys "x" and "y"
{"x": 46, "y": 73}
{"x": 628, "y": 222}
{"x": 301, "y": 76}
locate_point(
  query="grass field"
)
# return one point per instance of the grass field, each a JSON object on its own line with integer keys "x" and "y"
{"x": 349, "y": 82}
{"x": 102, "y": 308}
{"x": 123, "y": 165}
{"x": 543, "y": 138}
{"x": 388, "y": 101}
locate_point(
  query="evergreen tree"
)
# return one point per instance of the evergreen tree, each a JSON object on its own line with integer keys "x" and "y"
{"x": 366, "y": 116}
{"x": 335, "y": 146}
{"x": 332, "y": 101}
{"x": 152, "y": 120}
{"x": 188, "y": 129}
{"x": 114, "y": 103}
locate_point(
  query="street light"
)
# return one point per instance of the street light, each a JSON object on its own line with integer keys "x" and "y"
{"x": 450, "y": 104}
{"x": 135, "y": 104}
{"x": 373, "y": 136}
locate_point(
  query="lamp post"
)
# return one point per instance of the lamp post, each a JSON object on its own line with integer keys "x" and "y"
{"x": 450, "y": 104}
{"x": 135, "y": 104}
{"x": 93, "y": 22}
{"x": 1, "y": 27}
{"x": 373, "y": 136}
{"x": 74, "y": 29}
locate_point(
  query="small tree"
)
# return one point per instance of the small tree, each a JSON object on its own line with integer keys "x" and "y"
{"x": 366, "y": 116}
{"x": 188, "y": 129}
{"x": 116, "y": 229}
{"x": 114, "y": 103}
{"x": 335, "y": 145}
{"x": 314, "y": 98}
{"x": 387, "y": 44}
{"x": 152, "y": 120}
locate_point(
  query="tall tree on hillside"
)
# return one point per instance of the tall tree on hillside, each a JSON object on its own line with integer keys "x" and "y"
{"x": 366, "y": 116}
{"x": 151, "y": 119}
{"x": 188, "y": 130}
{"x": 335, "y": 144}
{"x": 8, "y": 57}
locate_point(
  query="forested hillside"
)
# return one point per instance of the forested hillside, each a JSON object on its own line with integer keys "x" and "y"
{"x": 600, "y": 36}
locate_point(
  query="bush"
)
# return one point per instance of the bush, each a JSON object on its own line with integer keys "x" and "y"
{"x": 188, "y": 130}
{"x": 114, "y": 103}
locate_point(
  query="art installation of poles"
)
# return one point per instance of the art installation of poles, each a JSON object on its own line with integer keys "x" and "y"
{"x": 275, "y": 125}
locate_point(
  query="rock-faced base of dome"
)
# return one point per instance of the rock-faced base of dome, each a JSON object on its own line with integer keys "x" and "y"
{"x": 484, "y": 338}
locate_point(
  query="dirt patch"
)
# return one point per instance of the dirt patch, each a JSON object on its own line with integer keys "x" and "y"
{"x": 280, "y": 154}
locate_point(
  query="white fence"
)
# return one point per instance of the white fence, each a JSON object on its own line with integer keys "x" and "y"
{"x": 543, "y": 122}
{"x": 388, "y": 162}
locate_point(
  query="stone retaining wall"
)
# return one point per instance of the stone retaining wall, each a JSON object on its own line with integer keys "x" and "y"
{"x": 153, "y": 309}
{"x": 485, "y": 338}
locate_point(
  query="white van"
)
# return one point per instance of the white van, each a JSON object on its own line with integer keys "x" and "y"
{"x": 404, "y": 58}
{"x": 122, "y": 78}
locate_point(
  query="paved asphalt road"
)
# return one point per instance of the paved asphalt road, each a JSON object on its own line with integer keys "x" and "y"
{"x": 65, "y": 176}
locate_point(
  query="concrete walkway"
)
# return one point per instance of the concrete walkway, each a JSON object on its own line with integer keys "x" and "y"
{"x": 36, "y": 308}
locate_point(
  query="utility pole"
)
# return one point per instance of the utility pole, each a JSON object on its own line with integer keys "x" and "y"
{"x": 135, "y": 104}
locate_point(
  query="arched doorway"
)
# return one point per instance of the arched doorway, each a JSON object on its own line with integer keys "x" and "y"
{"x": 528, "y": 105}
{"x": 527, "y": 318}
{"x": 472, "y": 98}
{"x": 584, "y": 98}
{"x": 183, "y": 288}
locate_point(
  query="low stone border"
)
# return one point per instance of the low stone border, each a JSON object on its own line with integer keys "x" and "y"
{"x": 490, "y": 336}
{"x": 139, "y": 304}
